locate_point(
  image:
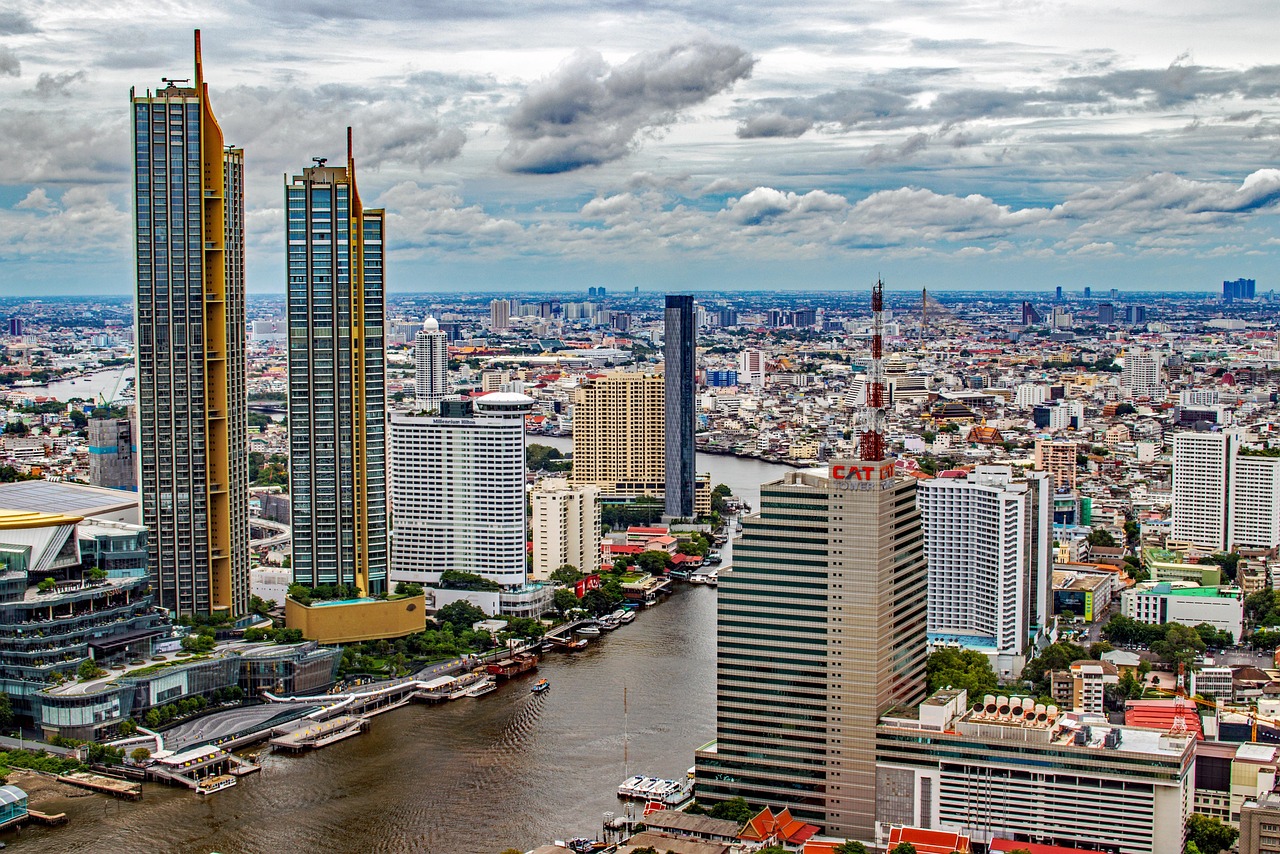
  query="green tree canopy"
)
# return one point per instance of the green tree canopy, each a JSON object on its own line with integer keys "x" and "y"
{"x": 1101, "y": 537}
{"x": 456, "y": 579}
{"x": 461, "y": 615}
{"x": 565, "y": 600}
{"x": 903, "y": 848}
{"x": 567, "y": 574}
{"x": 961, "y": 668}
{"x": 734, "y": 809}
{"x": 850, "y": 846}
{"x": 1209, "y": 834}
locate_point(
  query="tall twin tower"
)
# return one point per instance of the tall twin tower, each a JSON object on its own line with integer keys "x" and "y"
{"x": 192, "y": 406}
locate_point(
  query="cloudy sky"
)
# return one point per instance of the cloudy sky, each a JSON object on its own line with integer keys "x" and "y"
{"x": 674, "y": 144}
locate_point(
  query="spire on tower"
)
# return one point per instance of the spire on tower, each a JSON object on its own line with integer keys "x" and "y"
{"x": 871, "y": 439}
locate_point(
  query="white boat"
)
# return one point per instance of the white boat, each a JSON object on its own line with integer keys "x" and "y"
{"x": 588, "y": 631}
{"x": 628, "y": 786}
{"x": 609, "y": 623}
{"x": 628, "y": 616}
{"x": 699, "y": 578}
{"x": 209, "y": 785}
{"x": 484, "y": 686}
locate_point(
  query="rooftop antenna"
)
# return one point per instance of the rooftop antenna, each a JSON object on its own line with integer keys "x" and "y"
{"x": 871, "y": 441}
{"x": 174, "y": 81}
{"x": 319, "y": 161}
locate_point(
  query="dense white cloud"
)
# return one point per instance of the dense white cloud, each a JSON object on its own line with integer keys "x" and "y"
{"x": 618, "y": 132}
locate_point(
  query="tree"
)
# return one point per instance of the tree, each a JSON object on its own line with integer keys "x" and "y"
{"x": 456, "y": 579}
{"x": 596, "y": 602}
{"x": 850, "y": 846}
{"x": 408, "y": 588}
{"x": 1209, "y": 834}
{"x": 1101, "y": 537}
{"x": 773, "y": 849}
{"x": 79, "y": 419}
{"x": 734, "y": 809}
{"x": 903, "y": 848}
{"x": 260, "y": 606}
{"x": 961, "y": 668}
{"x": 6, "y": 711}
{"x": 567, "y": 574}
{"x": 140, "y": 755}
{"x": 46, "y": 584}
{"x": 461, "y": 615}
{"x": 654, "y": 561}
{"x": 287, "y": 636}
{"x": 89, "y": 669}
{"x": 1181, "y": 645}
{"x": 565, "y": 600}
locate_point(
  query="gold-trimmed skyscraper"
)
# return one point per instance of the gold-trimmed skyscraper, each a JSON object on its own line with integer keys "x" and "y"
{"x": 190, "y": 322}
{"x": 337, "y": 380}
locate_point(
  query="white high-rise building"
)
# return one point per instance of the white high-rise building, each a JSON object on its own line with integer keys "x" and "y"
{"x": 431, "y": 365}
{"x": 1255, "y": 501}
{"x": 1200, "y": 488}
{"x": 1141, "y": 374}
{"x": 458, "y": 490}
{"x": 1030, "y": 394}
{"x": 987, "y": 540}
{"x": 751, "y": 368}
{"x": 499, "y": 315}
{"x": 566, "y": 527}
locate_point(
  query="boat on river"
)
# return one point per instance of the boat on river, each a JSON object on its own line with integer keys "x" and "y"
{"x": 628, "y": 616}
{"x": 576, "y": 645}
{"x": 209, "y": 785}
{"x": 588, "y": 631}
{"x": 485, "y": 686}
{"x": 541, "y": 687}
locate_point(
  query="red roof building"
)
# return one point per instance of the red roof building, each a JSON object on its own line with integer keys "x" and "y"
{"x": 929, "y": 841}
{"x": 1161, "y": 715}
{"x": 782, "y": 828}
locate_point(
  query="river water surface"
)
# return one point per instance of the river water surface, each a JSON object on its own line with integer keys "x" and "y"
{"x": 474, "y": 776}
{"x": 468, "y": 777}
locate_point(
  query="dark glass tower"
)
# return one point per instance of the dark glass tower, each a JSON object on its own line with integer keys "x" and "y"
{"x": 680, "y": 349}
{"x": 337, "y": 381}
{"x": 192, "y": 409}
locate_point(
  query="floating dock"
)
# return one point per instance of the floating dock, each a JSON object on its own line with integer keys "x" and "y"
{"x": 113, "y": 786}
{"x": 320, "y": 734}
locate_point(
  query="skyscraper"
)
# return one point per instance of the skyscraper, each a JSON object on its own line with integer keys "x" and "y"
{"x": 337, "y": 380}
{"x": 431, "y": 365}
{"x": 1201, "y": 469}
{"x": 192, "y": 407}
{"x": 680, "y": 353}
{"x": 821, "y": 629}
{"x": 987, "y": 541}
{"x": 1141, "y": 374}
{"x": 499, "y": 315}
{"x": 458, "y": 489}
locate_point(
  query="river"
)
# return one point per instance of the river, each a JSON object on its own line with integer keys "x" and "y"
{"x": 741, "y": 474}
{"x": 107, "y": 383}
{"x": 469, "y": 777}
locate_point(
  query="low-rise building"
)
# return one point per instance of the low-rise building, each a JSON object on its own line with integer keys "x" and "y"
{"x": 1083, "y": 590}
{"x": 1157, "y": 603}
{"x": 1260, "y": 825}
{"x": 1012, "y": 768}
{"x": 355, "y": 620}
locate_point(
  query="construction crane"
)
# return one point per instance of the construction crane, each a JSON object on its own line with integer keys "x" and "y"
{"x": 1252, "y": 715}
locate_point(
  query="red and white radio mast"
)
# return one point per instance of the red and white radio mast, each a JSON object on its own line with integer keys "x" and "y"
{"x": 871, "y": 441}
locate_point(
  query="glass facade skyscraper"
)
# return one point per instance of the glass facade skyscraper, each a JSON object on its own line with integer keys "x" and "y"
{"x": 337, "y": 381}
{"x": 680, "y": 352}
{"x": 192, "y": 409}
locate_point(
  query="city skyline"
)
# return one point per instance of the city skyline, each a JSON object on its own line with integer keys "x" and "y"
{"x": 967, "y": 146}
